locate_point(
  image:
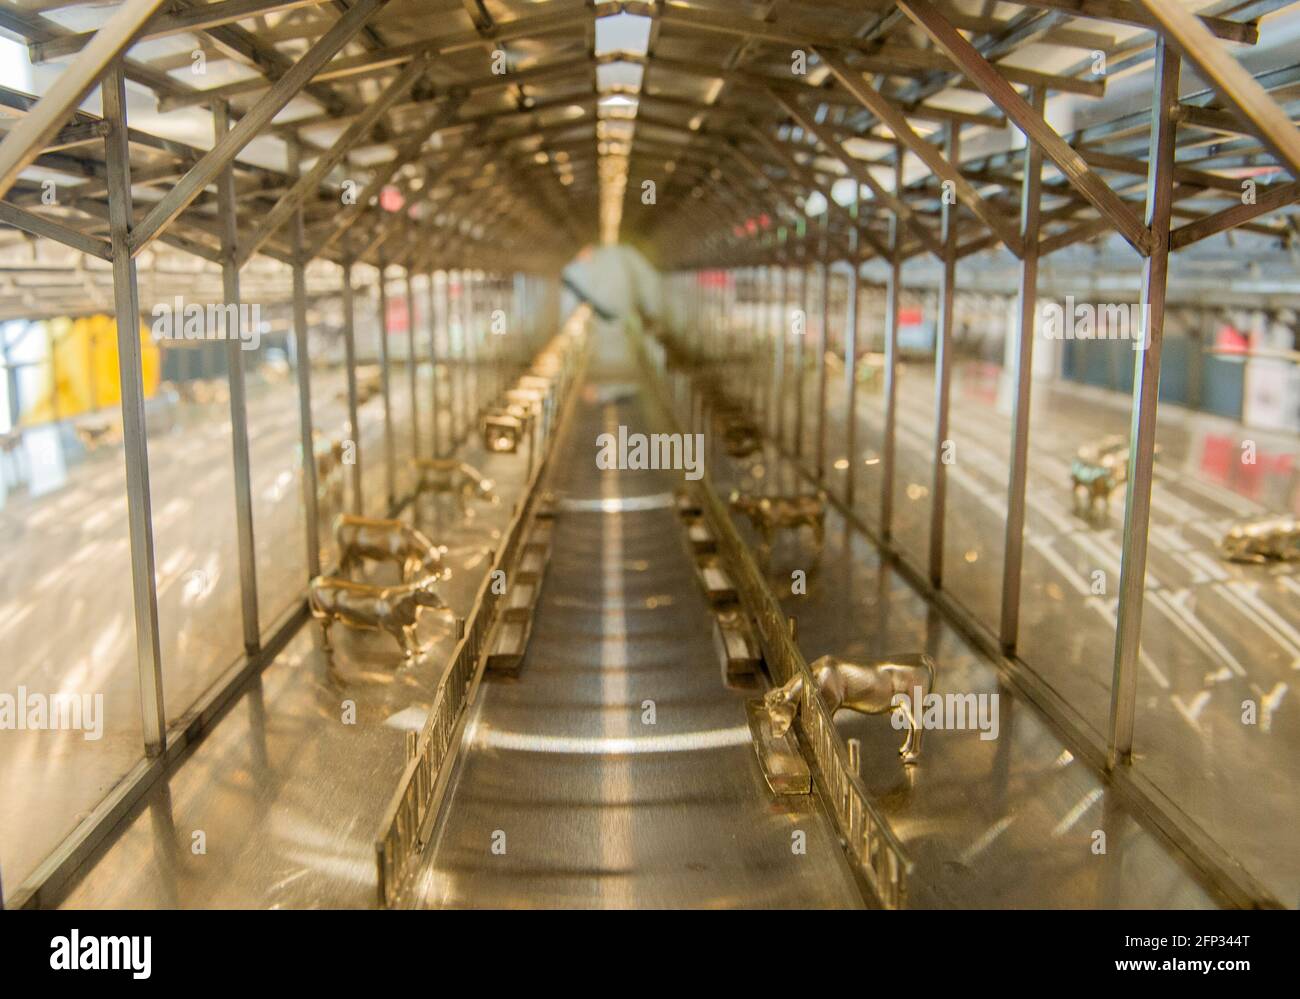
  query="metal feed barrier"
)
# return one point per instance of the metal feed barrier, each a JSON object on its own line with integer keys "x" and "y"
{"x": 866, "y": 836}
{"x": 433, "y": 751}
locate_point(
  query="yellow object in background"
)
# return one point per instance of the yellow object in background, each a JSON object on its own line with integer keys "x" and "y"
{"x": 80, "y": 374}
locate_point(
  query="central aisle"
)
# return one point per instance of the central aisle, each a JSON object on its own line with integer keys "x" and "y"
{"x": 566, "y": 795}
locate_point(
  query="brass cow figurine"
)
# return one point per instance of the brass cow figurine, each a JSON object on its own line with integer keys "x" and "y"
{"x": 1097, "y": 471}
{"x": 329, "y": 471}
{"x": 769, "y": 513}
{"x": 872, "y": 687}
{"x": 741, "y": 437}
{"x": 1270, "y": 539}
{"x": 373, "y": 608}
{"x": 380, "y": 540}
{"x": 450, "y": 475}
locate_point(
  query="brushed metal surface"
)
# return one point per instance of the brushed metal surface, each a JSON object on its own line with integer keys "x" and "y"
{"x": 586, "y": 804}
{"x": 1010, "y": 822}
{"x": 1215, "y": 633}
{"x": 284, "y": 790}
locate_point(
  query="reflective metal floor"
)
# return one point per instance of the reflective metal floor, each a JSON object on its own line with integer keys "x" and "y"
{"x": 64, "y": 554}
{"x": 565, "y": 796}
{"x": 1215, "y": 633}
{"x": 568, "y": 794}
{"x": 287, "y": 787}
{"x": 1011, "y": 822}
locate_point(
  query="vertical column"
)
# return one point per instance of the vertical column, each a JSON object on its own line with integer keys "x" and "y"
{"x": 469, "y": 335}
{"x": 1026, "y": 306}
{"x": 235, "y": 376}
{"x": 782, "y": 337}
{"x": 306, "y": 436}
{"x": 762, "y": 329}
{"x": 435, "y": 432}
{"x": 350, "y": 359}
{"x": 850, "y": 363}
{"x": 892, "y": 290}
{"x": 805, "y": 290}
{"x": 943, "y": 362}
{"x": 135, "y": 441}
{"x": 412, "y": 370}
{"x": 385, "y": 384}
{"x": 823, "y": 331}
{"x": 1142, "y": 433}
{"x": 506, "y": 326}
{"x": 453, "y": 365}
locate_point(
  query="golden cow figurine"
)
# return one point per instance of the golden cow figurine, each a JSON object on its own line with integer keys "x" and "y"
{"x": 771, "y": 513}
{"x": 393, "y": 609}
{"x": 381, "y": 540}
{"x": 451, "y": 475}
{"x": 1269, "y": 539}
{"x": 872, "y": 687}
{"x": 329, "y": 471}
{"x": 1097, "y": 471}
{"x": 97, "y": 433}
{"x": 741, "y": 437}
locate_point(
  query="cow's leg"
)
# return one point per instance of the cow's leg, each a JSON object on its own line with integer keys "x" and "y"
{"x": 403, "y": 638}
{"x": 325, "y": 623}
{"x": 911, "y": 747}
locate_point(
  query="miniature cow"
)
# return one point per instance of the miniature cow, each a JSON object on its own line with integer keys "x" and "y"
{"x": 373, "y": 608}
{"x": 1093, "y": 483}
{"x": 381, "y": 540}
{"x": 1267, "y": 540}
{"x": 874, "y": 687}
{"x": 96, "y": 433}
{"x": 449, "y": 475}
{"x": 329, "y": 472}
{"x": 1097, "y": 471}
{"x": 741, "y": 437}
{"x": 769, "y": 513}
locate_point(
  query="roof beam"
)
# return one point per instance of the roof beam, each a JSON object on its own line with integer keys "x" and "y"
{"x": 1120, "y": 12}
{"x": 1270, "y": 200}
{"x": 1036, "y": 129}
{"x": 26, "y": 140}
{"x": 929, "y": 154}
{"x": 310, "y": 181}
{"x": 1238, "y": 88}
{"x": 861, "y": 173}
{"x": 255, "y": 119}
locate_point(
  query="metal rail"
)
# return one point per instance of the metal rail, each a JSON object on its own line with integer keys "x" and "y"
{"x": 434, "y": 750}
{"x": 866, "y": 836}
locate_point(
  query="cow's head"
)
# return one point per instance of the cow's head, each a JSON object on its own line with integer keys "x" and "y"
{"x": 748, "y": 505}
{"x": 425, "y": 593}
{"x": 432, "y": 562}
{"x": 782, "y": 704}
